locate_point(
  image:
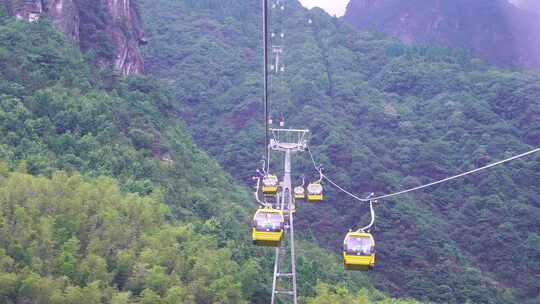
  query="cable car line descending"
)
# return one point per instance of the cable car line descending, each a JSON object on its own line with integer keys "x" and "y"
{"x": 273, "y": 225}
{"x": 317, "y": 168}
{"x": 273, "y": 222}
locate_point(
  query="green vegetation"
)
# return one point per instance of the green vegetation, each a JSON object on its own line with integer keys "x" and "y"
{"x": 384, "y": 116}
{"x": 327, "y": 294}
{"x": 67, "y": 240}
{"x": 59, "y": 113}
{"x": 93, "y": 31}
{"x": 105, "y": 199}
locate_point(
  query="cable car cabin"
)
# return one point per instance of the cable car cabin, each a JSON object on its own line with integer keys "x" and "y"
{"x": 315, "y": 192}
{"x": 270, "y": 184}
{"x": 299, "y": 193}
{"x": 268, "y": 227}
{"x": 359, "y": 251}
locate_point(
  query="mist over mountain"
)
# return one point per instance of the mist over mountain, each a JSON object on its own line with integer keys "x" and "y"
{"x": 501, "y": 32}
{"x": 530, "y": 5}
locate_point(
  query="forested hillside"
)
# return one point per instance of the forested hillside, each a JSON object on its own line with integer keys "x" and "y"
{"x": 384, "y": 116}
{"x": 72, "y": 239}
{"x": 105, "y": 199}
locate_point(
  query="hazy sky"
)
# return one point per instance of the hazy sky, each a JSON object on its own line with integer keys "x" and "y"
{"x": 337, "y": 7}
{"x": 333, "y": 7}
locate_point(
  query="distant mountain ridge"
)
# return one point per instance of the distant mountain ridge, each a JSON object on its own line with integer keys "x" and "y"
{"x": 495, "y": 30}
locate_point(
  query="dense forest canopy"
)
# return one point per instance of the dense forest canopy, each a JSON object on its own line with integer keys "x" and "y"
{"x": 67, "y": 240}
{"x": 104, "y": 198}
{"x": 384, "y": 116}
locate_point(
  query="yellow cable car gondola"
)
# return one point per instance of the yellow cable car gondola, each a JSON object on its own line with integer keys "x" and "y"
{"x": 359, "y": 251}
{"x": 359, "y": 246}
{"x": 270, "y": 184}
{"x": 268, "y": 227}
{"x": 299, "y": 193}
{"x": 315, "y": 192}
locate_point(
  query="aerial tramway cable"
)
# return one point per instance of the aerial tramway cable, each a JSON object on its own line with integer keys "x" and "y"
{"x": 265, "y": 69}
{"x": 317, "y": 168}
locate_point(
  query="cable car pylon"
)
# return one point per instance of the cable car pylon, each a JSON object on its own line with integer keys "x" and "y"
{"x": 287, "y": 141}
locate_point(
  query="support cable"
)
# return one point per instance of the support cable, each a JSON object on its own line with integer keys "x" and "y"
{"x": 318, "y": 169}
{"x": 265, "y": 69}
{"x": 423, "y": 186}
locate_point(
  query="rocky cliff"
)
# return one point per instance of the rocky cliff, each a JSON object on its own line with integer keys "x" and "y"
{"x": 110, "y": 29}
{"x": 495, "y": 30}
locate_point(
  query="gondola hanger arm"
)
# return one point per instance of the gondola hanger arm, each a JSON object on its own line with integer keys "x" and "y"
{"x": 257, "y": 190}
{"x": 372, "y": 212}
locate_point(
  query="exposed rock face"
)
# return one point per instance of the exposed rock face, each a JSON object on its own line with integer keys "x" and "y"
{"x": 111, "y": 28}
{"x": 495, "y": 30}
{"x": 125, "y": 31}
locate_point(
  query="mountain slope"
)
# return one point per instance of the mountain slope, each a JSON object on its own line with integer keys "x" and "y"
{"x": 67, "y": 240}
{"x": 59, "y": 113}
{"x": 138, "y": 213}
{"x": 496, "y": 31}
{"x": 384, "y": 116}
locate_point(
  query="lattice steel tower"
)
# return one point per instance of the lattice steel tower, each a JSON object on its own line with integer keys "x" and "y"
{"x": 288, "y": 141}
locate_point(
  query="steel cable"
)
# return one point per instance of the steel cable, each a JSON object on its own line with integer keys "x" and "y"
{"x": 317, "y": 168}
